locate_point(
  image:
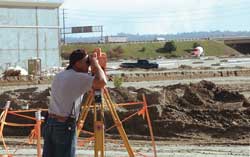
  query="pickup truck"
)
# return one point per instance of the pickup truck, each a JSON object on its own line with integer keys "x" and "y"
{"x": 141, "y": 63}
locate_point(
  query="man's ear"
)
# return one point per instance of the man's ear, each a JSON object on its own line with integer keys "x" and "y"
{"x": 77, "y": 64}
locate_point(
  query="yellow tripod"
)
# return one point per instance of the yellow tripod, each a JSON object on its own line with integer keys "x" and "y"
{"x": 98, "y": 99}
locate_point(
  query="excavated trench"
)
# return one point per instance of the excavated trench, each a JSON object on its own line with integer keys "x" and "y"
{"x": 190, "y": 111}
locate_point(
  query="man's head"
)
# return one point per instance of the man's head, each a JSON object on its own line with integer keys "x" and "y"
{"x": 79, "y": 61}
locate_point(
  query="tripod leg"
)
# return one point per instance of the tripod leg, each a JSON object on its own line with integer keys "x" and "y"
{"x": 118, "y": 123}
{"x": 99, "y": 139}
{"x": 99, "y": 130}
{"x": 85, "y": 108}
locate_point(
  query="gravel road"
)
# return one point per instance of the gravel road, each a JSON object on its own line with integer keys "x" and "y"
{"x": 164, "y": 149}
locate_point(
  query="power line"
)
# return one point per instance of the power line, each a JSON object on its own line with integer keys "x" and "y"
{"x": 64, "y": 34}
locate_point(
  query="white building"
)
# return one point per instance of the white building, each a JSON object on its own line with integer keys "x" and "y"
{"x": 29, "y": 29}
{"x": 116, "y": 39}
{"x": 160, "y": 39}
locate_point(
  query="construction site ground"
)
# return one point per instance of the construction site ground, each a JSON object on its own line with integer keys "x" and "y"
{"x": 167, "y": 148}
{"x": 194, "y": 111}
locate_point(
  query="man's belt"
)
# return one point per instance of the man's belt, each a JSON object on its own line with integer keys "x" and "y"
{"x": 57, "y": 117}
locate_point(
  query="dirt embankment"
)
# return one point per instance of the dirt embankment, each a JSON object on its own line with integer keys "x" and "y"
{"x": 183, "y": 74}
{"x": 192, "y": 111}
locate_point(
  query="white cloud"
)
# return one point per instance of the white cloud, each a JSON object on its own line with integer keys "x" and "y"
{"x": 155, "y": 16}
{"x": 135, "y": 5}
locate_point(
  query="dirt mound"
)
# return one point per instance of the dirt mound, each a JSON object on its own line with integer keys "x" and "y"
{"x": 206, "y": 95}
{"x": 183, "y": 110}
{"x": 11, "y": 72}
{"x": 23, "y": 97}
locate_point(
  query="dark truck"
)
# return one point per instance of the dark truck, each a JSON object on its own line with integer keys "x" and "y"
{"x": 141, "y": 63}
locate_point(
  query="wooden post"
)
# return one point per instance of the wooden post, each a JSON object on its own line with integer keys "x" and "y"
{"x": 38, "y": 130}
{"x": 150, "y": 126}
{"x": 3, "y": 118}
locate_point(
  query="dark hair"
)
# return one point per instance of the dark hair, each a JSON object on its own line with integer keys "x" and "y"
{"x": 75, "y": 56}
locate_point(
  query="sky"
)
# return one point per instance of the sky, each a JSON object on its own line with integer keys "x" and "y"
{"x": 159, "y": 16}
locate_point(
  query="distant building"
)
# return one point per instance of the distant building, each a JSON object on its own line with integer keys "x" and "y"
{"x": 115, "y": 39}
{"x": 29, "y": 29}
{"x": 160, "y": 39}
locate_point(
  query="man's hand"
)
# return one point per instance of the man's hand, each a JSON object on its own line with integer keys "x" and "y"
{"x": 100, "y": 78}
{"x": 94, "y": 63}
{"x": 93, "y": 60}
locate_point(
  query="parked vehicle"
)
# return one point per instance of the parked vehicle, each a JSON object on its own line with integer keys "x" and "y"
{"x": 141, "y": 63}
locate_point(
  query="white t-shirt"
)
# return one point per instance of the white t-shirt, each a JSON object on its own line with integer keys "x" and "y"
{"x": 67, "y": 88}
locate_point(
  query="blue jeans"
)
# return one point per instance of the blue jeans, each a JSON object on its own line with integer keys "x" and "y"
{"x": 59, "y": 140}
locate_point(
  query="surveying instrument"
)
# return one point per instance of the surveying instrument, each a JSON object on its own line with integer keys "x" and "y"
{"x": 98, "y": 99}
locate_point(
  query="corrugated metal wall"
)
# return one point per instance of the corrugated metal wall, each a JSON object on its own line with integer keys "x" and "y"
{"x": 26, "y": 33}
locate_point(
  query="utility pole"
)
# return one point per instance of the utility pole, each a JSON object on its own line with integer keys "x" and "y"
{"x": 64, "y": 27}
{"x": 18, "y": 48}
{"x": 37, "y": 35}
{"x": 102, "y": 34}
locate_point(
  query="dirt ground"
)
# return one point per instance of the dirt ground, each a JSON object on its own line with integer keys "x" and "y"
{"x": 200, "y": 110}
{"x": 202, "y": 118}
{"x": 167, "y": 148}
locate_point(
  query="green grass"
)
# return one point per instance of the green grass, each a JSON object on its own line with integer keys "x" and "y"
{"x": 149, "y": 50}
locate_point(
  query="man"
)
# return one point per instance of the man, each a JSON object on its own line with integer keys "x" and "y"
{"x": 67, "y": 89}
